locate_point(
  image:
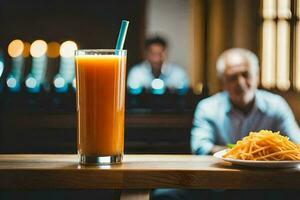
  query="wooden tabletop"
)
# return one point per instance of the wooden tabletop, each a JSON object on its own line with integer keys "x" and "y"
{"x": 139, "y": 172}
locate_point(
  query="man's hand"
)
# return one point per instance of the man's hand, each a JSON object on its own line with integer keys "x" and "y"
{"x": 217, "y": 148}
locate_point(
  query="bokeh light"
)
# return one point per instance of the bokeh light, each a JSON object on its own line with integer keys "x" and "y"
{"x": 38, "y": 48}
{"x": 53, "y": 49}
{"x": 26, "y": 51}
{"x": 67, "y": 49}
{"x": 11, "y": 82}
{"x": 31, "y": 82}
{"x": 15, "y": 48}
{"x": 59, "y": 82}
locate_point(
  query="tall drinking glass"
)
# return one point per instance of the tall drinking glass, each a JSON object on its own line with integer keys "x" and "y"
{"x": 100, "y": 96}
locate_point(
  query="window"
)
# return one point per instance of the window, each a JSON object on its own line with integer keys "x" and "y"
{"x": 280, "y": 44}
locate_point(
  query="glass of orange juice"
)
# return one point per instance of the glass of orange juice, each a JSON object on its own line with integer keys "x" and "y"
{"x": 100, "y": 97}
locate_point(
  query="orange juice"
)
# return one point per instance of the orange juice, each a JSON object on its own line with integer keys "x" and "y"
{"x": 100, "y": 95}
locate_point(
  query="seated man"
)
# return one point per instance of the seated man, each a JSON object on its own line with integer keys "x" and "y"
{"x": 155, "y": 66}
{"x": 230, "y": 115}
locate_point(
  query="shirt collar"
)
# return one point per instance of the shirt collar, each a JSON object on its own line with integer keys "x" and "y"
{"x": 258, "y": 104}
{"x": 227, "y": 104}
{"x": 164, "y": 69}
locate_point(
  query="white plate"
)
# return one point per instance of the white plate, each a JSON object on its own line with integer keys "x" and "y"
{"x": 254, "y": 163}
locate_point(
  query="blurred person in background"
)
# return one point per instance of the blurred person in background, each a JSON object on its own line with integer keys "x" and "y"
{"x": 242, "y": 107}
{"x": 155, "y": 66}
{"x": 230, "y": 115}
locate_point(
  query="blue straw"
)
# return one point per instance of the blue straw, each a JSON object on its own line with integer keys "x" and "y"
{"x": 122, "y": 35}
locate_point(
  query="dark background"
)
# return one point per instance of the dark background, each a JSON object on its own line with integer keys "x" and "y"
{"x": 91, "y": 24}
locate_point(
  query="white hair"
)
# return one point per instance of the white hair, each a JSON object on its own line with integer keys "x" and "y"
{"x": 249, "y": 56}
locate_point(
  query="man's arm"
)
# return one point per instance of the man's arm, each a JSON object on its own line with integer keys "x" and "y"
{"x": 132, "y": 77}
{"x": 287, "y": 123}
{"x": 178, "y": 78}
{"x": 203, "y": 133}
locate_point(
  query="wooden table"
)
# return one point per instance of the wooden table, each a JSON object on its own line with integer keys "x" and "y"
{"x": 139, "y": 172}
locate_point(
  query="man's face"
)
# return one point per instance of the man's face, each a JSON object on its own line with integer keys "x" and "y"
{"x": 239, "y": 80}
{"x": 156, "y": 55}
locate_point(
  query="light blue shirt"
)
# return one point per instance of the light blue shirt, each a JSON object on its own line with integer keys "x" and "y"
{"x": 216, "y": 122}
{"x": 173, "y": 76}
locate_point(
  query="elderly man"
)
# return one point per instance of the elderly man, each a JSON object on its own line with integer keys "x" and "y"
{"x": 230, "y": 115}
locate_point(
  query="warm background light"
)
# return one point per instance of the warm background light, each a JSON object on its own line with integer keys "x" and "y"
{"x": 26, "y": 51}
{"x": 268, "y": 71}
{"x": 67, "y": 49}
{"x": 297, "y": 50}
{"x": 269, "y": 9}
{"x": 15, "y": 48}
{"x": 53, "y": 49}
{"x": 283, "y": 55}
{"x": 297, "y": 59}
{"x": 38, "y": 48}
